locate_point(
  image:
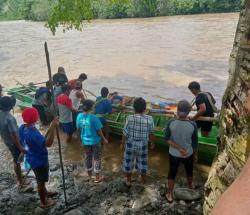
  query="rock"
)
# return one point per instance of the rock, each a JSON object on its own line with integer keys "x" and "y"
{"x": 186, "y": 194}
{"x": 198, "y": 207}
{"x": 18, "y": 210}
{"x": 74, "y": 212}
{"x": 183, "y": 203}
{"x": 39, "y": 211}
{"x": 111, "y": 211}
{"x": 54, "y": 167}
{"x": 27, "y": 189}
{"x": 149, "y": 196}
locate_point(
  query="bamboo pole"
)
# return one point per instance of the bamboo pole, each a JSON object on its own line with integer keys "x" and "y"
{"x": 57, "y": 131}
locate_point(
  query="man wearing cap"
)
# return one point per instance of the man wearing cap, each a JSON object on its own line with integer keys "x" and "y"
{"x": 182, "y": 137}
{"x": 9, "y": 133}
{"x": 35, "y": 145}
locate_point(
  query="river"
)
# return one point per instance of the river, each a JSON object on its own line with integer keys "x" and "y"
{"x": 138, "y": 57}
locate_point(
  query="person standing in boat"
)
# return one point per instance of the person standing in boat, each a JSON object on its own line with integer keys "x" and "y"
{"x": 59, "y": 79}
{"x": 76, "y": 97}
{"x": 9, "y": 134}
{"x": 103, "y": 107}
{"x": 205, "y": 104}
{"x": 43, "y": 100}
{"x": 137, "y": 132}
{"x": 66, "y": 111}
{"x": 182, "y": 137}
{"x": 36, "y": 155}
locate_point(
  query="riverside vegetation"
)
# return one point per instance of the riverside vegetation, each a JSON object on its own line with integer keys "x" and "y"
{"x": 40, "y": 10}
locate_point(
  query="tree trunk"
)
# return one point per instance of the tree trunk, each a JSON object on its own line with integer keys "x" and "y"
{"x": 234, "y": 120}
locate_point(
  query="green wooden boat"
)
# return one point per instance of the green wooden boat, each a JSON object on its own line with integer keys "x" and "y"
{"x": 207, "y": 149}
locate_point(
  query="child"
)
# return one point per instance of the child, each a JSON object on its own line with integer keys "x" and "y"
{"x": 35, "y": 145}
{"x": 9, "y": 134}
{"x": 137, "y": 132}
{"x": 65, "y": 113}
{"x": 181, "y": 135}
{"x": 103, "y": 106}
{"x": 91, "y": 137}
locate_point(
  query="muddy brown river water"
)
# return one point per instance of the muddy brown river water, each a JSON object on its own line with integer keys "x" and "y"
{"x": 139, "y": 57}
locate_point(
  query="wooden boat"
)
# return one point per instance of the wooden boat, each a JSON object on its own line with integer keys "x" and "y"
{"x": 207, "y": 149}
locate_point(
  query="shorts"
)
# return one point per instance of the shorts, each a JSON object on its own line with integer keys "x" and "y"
{"x": 42, "y": 174}
{"x": 136, "y": 155}
{"x": 174, "y": 163}
{"x": 14, "y": 152}
{"x": 204, "y": 126}
{"x": 68, "y": 128}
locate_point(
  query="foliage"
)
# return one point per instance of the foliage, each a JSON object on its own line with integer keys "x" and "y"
{"x": 70, "y": 13}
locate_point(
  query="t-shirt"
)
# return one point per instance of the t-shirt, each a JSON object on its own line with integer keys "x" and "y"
{"x": 202, "y": 98}
{"x": 34, "y": 144}
{"x": 103, "y": 106}
{"x": 184, "y": 133}
{"x": 75, "y": 100}
{"x": 59, "y": 79}
{"x": 117, "y": 99}
{"x": 138, "y": 127}
{"x": 72, "y": 83}
{"x": 8, "y": 126}
{"x": 89, "y": 125}
{"x": 64, "y": 106}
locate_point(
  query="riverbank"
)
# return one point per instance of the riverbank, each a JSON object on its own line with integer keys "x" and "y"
{"x": 86, "y": 197}
{"x": 109, "y": 197}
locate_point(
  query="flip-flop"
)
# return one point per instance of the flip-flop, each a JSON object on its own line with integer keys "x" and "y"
{"x": 169, "y": 201}
{"x": 51, "y": 194}
{"x": 100, "y": 180}
{"x": 50, "y": 204}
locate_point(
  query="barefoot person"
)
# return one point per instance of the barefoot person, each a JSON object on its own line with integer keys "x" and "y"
{"x": 103, "y": 106}
{"x": 205, "y": 104}
{"x": 35, "y": 145}
{"x": 66, "y": 111}
{"x": 9, "y": 134}
{"x": 137, "y": 132}
{"x": 92, "y": 137}
{"x": 181, "y": 135}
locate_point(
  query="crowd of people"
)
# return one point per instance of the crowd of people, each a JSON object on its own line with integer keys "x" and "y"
{"x": 181, "y": 133}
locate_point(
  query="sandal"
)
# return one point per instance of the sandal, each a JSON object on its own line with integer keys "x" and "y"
{"x": 101, "y": 178}
{"x": 50, "y": 203}
{"x": 168, "y": 199}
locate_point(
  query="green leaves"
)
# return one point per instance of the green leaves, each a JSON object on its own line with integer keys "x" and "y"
{"x": 70, "y": 14}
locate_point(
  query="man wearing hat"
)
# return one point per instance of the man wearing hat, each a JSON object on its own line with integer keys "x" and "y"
{"x": 182, "y": 137}
{"x": 36, "y": 155}
{"x": 9, "y": 133}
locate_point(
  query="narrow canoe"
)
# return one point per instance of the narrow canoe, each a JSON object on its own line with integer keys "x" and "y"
{"x": 207, "y": 149}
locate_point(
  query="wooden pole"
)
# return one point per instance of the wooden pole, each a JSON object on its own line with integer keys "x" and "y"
{"x": 57, "y": 131}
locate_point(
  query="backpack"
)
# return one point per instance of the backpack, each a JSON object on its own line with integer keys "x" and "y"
{"x": 211, "y": 101}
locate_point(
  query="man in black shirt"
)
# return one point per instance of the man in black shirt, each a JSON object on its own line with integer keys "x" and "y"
{"x": 60, "y": 77}
{"x": 205, "y": 107}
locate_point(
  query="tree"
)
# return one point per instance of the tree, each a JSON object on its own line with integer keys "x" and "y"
{"x": 234, "y": 120}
